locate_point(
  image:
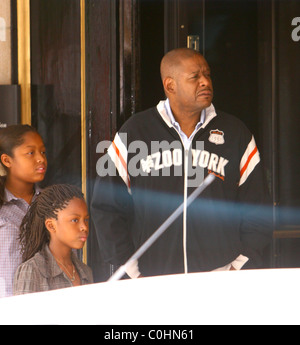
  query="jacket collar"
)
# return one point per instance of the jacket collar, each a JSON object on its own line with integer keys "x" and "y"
{"x": 210, "y": 114}
{"x": 49, "y": 268}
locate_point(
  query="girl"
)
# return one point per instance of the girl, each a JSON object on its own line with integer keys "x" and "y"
{"x": 23, "y": 164}
{"x": 56, "y": 223}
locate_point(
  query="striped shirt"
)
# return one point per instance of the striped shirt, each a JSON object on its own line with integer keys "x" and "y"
{"x": 186, "y": 141}
{"x": 11, "y": 215}
{"x": 42, "y": 273}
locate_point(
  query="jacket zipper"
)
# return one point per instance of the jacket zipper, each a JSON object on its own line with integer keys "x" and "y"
{"x": 185, "y": 188}
{"x": 184, "y": 232}
{"x": 186, "y": 153}
{"x": 186, "y": 156}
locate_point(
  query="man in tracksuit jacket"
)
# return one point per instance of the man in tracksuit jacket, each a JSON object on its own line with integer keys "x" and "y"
{"x": 156, "y": 161}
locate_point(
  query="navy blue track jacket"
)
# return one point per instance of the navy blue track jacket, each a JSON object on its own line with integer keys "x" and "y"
{"x": 147, "y": 173}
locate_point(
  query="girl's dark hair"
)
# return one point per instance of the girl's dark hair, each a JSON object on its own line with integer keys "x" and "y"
{"x": 33, "y": 232}
{"x": 10, "y": 138}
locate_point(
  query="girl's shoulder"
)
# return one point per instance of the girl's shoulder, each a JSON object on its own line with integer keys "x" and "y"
{"x": 28, "y": 277}
{"x": 31, "y": 266}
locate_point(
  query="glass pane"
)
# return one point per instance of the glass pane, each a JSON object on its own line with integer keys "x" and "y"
{"x": 287, "y": 108}
{"x": 231, "y": 49}
{"x": 56, "y": 101}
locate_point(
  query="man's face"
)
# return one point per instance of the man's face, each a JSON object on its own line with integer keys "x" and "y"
{"x": 194, "y": 90}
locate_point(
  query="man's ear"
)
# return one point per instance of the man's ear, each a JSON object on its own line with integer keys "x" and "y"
{"x": 169, "y": 85}
{"x": 6, "y": 160}
{"x": 49, "y": 224}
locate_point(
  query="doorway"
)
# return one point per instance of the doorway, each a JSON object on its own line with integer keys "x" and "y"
{"x": 252, "y": 47}
{"x": 246, "y": 44}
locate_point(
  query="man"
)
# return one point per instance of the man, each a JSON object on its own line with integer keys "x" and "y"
{"x": 161, "y": 155}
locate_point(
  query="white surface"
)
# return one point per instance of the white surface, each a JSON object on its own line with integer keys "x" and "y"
{"x": 241, "y": 297}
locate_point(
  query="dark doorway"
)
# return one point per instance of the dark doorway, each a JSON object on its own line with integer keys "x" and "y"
{"x": 56, "y": 108}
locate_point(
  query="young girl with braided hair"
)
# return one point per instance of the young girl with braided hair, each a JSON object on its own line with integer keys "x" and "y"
{"x": 23, "y": 165}
{"x": 55, "y": 224}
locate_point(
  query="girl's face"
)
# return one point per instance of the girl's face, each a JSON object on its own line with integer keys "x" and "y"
{"x": 71, "y": 228}
{"x": 29, "y": 162}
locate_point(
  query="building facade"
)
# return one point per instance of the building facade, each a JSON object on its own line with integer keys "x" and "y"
{"x": 76, "y": 70}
